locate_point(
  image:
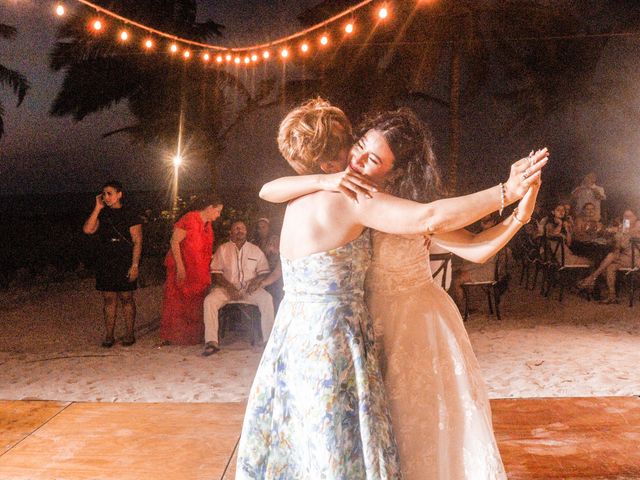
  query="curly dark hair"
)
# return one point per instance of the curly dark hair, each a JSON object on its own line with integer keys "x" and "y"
{"x": 415, "y": 163}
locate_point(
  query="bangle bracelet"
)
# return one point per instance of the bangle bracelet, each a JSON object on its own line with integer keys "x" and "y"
{"x": 503, "y": 194}
{"x": 521, "y": 222}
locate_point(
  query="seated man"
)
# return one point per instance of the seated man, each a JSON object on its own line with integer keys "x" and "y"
{"x": 240, "y": 271}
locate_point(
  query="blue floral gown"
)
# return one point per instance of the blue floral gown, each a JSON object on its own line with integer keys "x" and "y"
{"x": 316, "y": 408}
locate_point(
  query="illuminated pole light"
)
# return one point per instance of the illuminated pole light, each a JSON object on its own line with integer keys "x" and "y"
{"x": 254, "y": 58}
{"x": 228, "y": 57}
{"x": 60, "y": 11}
{"x": 219, "y": 59}
{"x": 124, "y": 35}
{"x": 348, "y": 28}
{"x": 266, "y": 54}
{"x": 186, "y": 54}
{"x": 97, "y": 25}
{"x": 148, "y": 44}
{"x": 284, "y": 53}
{"x": 304, "y": 47}
{"x": 383, "y": 13}
{"x": 236, "y": 60}
{"x": 173, "y": 48}
{"x": 324, "y": 40}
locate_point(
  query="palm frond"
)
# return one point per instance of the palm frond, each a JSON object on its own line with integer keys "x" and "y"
{"x": 16, "y": 81}
{"x": 7, "y": 31}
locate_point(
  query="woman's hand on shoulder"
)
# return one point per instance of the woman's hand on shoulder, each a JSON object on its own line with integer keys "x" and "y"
{"x": 351, "y": 184}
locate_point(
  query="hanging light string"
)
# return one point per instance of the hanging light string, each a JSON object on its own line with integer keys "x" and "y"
{"x": 219, "y": 48}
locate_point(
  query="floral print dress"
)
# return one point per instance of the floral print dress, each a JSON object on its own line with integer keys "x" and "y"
{"x": 316, "y": 408}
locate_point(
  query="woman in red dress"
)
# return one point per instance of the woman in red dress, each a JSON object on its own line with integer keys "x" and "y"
{"x": 188, "y": 276}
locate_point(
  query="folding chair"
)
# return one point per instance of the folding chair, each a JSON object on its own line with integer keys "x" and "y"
{"x": 441, "y": 268}
{"x": 494, "y": 288}
{"x": 557, "y": 271}
{"x": 631, "y": 272}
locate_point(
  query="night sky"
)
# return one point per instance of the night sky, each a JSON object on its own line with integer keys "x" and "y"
{"x": 40, "y": 153}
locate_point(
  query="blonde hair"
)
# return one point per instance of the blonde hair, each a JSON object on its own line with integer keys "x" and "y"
{"x": 314, "y": 132}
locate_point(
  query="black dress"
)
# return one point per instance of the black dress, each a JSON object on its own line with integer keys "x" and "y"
{"x": 115, "y": 250}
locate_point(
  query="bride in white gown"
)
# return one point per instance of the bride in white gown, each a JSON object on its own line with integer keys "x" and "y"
{"x": 437, "y": 397}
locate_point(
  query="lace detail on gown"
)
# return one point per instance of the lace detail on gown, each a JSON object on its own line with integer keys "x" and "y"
{"x": 439, "y": 406}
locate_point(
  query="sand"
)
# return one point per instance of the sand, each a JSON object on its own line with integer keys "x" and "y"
{"x": 50, "y": 350}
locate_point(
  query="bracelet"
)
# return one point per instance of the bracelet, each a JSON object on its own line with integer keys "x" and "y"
{"x": 515, "y": 217}
{"x": 503, "y": 194}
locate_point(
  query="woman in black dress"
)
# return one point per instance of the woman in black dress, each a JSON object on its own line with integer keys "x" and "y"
{"x": 120, "y": 245}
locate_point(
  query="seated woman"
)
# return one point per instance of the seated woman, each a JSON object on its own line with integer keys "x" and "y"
{"x": 587, "y": 226}
{"x": 556, "y": 225}
{"x": 620, "y": 257}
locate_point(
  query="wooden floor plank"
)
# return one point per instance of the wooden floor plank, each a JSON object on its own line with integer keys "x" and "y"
{"x": 569, "y": 438}
{"x": 129, "y": 442}
{"x": 20, "y": 419}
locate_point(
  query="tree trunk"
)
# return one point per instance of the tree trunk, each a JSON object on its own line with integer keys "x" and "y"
{"x": 454, "y": 117}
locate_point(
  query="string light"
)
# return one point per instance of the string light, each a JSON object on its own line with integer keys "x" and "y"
{"x": 219, "y": 59}
{"x": 348, "y": 28}
{"x": 60, "y": 11}
{"x": 236, "y": 60}
{"x": 284, "y": 53}
{"x": 254, "y": 57}
{"x": 383, "y": 13}
{"x": 266, "y": 54}
{"x": 124, "y": 35}
{"x": 324, "y": 40}
{"x": 148, "y": 44}
{"x": 186, "y": 54}
{"x": 247, "y": 60}
{"x": 206, "y": 57}
{"x": 97, "y": 25}
{"x": 228, "y": 57}
{"x": 173, "y": 48}
{"x": 304, "y": 47}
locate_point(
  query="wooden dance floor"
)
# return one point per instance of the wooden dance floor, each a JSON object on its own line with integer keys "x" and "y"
{"x": 560, "y": 438}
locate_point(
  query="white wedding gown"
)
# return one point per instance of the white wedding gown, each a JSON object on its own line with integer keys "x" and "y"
{"x": 438, "y": 400}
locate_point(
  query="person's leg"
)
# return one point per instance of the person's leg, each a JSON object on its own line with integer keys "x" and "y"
{"x": 129, "y": 312}
{"x": 263, "y": 300}
{"x": 213, "y": 302}
{"x": 459, "y": 278}
{"x": 109, "y": 310}
{"x": 612, "y": 269}
{"x": 591, "y": 279}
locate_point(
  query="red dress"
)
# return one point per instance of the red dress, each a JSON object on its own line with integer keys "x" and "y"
{"x": 182, "y": 308}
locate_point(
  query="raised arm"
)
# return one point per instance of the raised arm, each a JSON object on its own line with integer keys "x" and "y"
{"x": 395, "y": 215}
{"x": 349, "y": 182}
{"x": 481, "y": 247}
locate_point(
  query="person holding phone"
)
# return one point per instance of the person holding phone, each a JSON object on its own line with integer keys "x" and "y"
{"x": 120, "y": 246}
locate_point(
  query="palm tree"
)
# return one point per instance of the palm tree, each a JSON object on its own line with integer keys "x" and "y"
{"x": 504, "y": 48}
{"x": 11, "y": 78}
{"x": 161, "y": 91}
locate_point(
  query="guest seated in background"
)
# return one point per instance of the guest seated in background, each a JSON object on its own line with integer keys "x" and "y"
{"x": 568, "y": 215}
{"x": 269, "y": 243}
{"x": 620, "y": 257}
{"x": 556, "y": 225}
{"x": 474, "y": 272}
{"x": 240, "y": 271}
{"x": 587, "y": 225}
{"x": 589, "y": 192}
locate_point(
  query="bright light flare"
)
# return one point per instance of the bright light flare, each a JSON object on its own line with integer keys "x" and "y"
{"x": 254, "y": 57}
{"x": 186, "y": 54}
{"x": 228, "y": 57}
{"x": 148, "y": 44}
{"x": 177, "y": 161}
{"x": 284, "y": 53}
{"x": 97, "y": 25}
{"x": 60, "y": 11}
{"x": 383, "y": 13}
{"x": 236, "y": 60}
{"x": 266, "y": 55}
{"x": 304, "y": 47}
{"x": 348, "y": 28}
{"x": 206, "y": 57}
{"x": 124, "y": 35}
{"x": 173, "y": 48}
{"x": 219, "y": 59}
{"x": 324, "y": 40}
{"x": 247, "y": 60}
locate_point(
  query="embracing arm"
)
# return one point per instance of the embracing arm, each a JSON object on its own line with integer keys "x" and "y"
{"x": 348, "y": 182}
{"x": 481, "y": 247}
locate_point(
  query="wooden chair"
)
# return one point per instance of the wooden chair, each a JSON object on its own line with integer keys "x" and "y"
{"x": 441, "y": 268}
{"x": 494, "y": 287}
{"x": 236, "y": 313}
{"x": 558, "y": 272}
{"x": 631, "y": 272}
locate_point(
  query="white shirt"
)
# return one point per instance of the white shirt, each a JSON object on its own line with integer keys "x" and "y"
{"x": 239, "y": 266}
{"x": 583, "y": 194}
